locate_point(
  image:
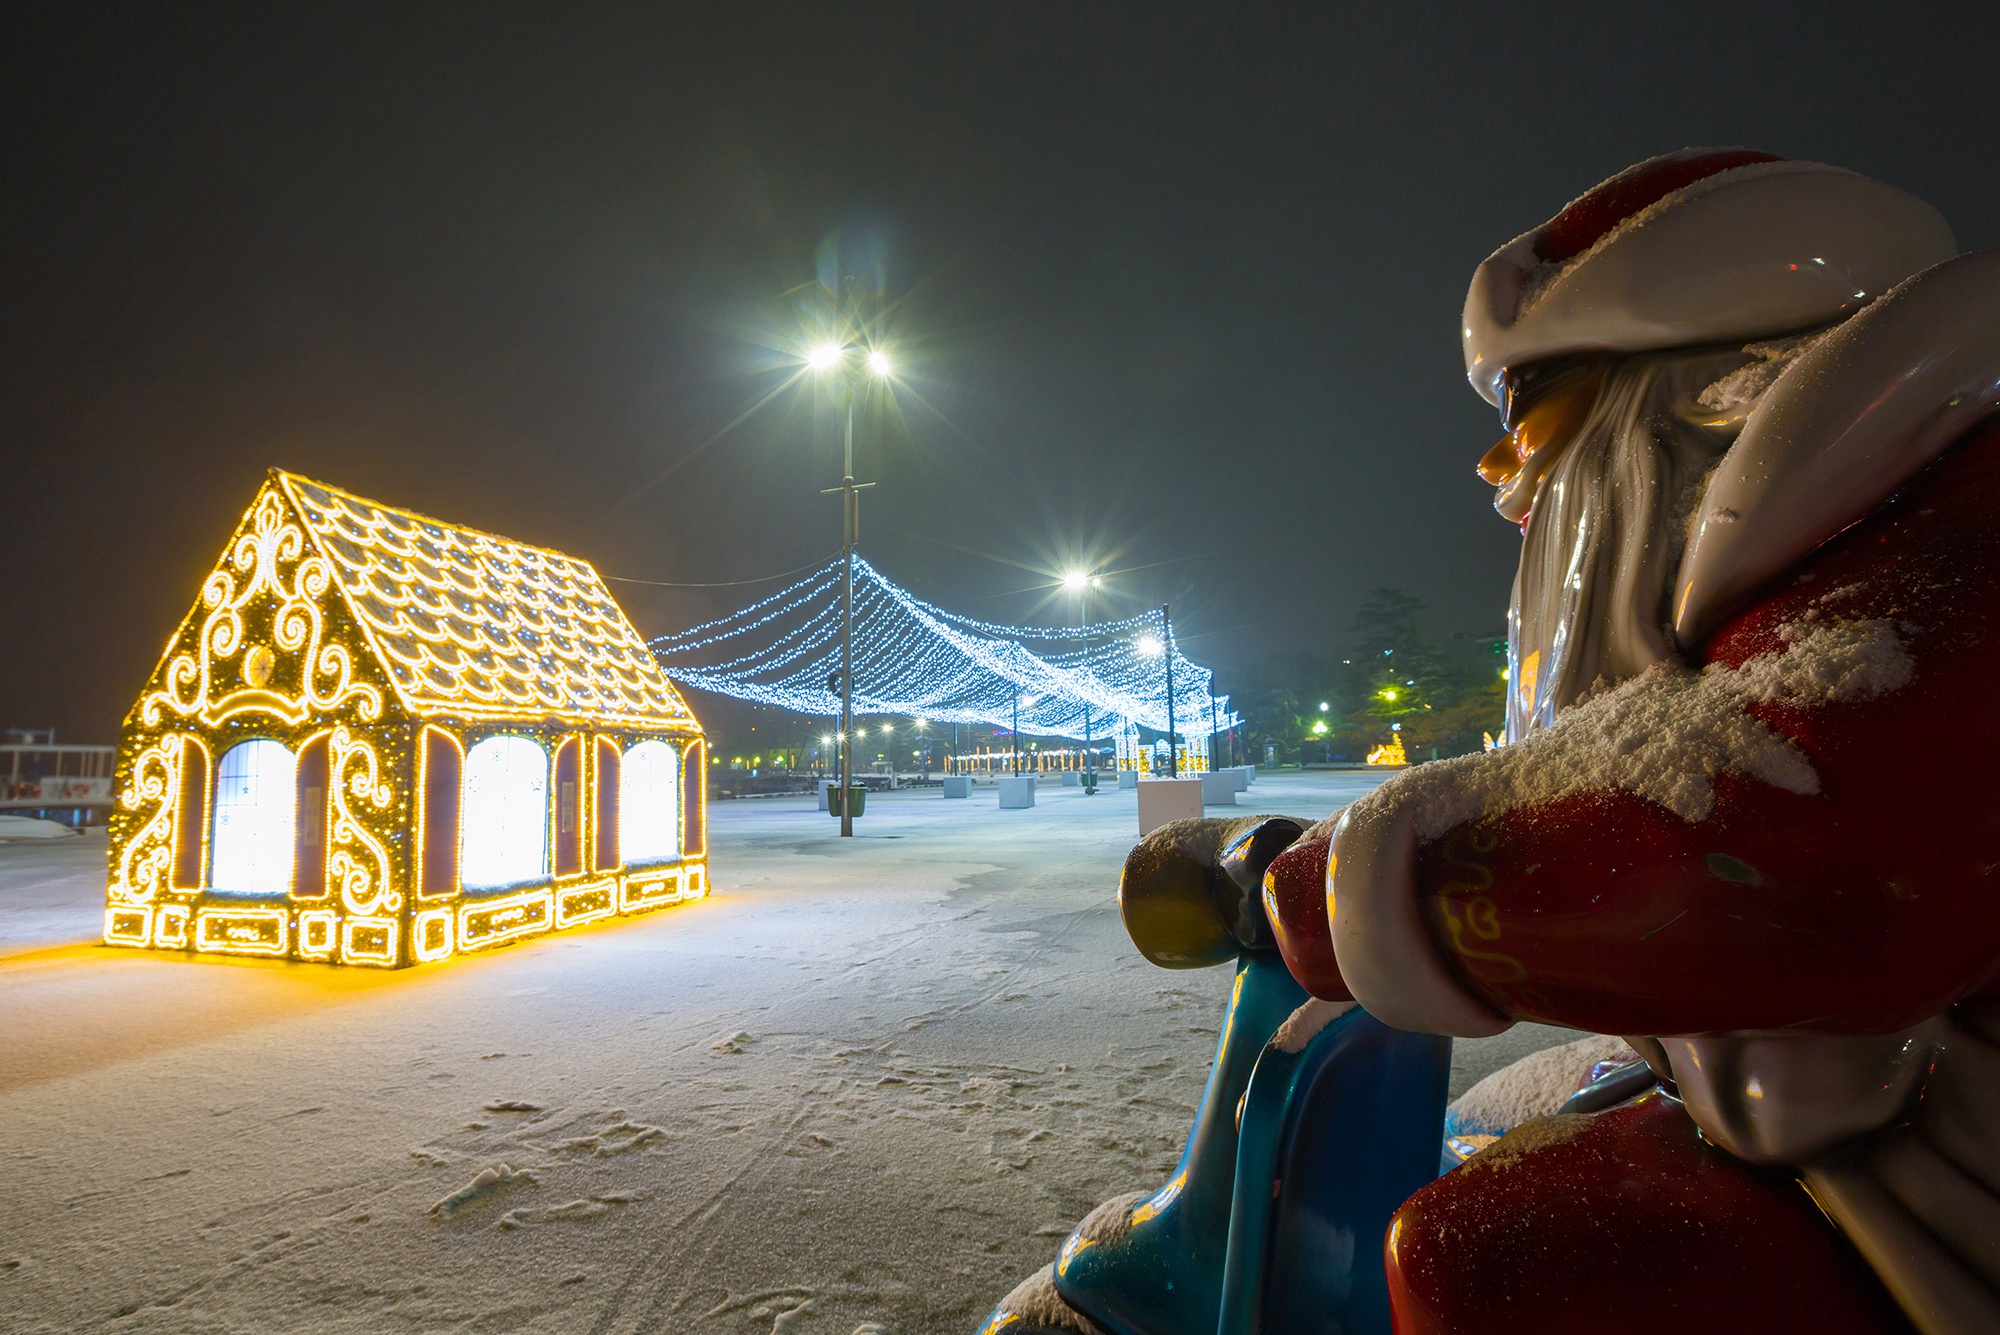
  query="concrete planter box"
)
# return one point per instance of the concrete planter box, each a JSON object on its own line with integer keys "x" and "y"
{"x": 1162, "y": 801}
{"x": 1017, "y": 791}
{"x": 1128, "y": 779}
{"x": 1071, "y": 779}
{"x": 957, "y": 785}
{"x": 1219, "y": 789}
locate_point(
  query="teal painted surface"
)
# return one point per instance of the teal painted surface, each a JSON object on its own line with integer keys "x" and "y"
{"x": 1164, "y": 1276}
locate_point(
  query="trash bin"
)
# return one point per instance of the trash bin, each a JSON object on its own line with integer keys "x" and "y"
{"x": 1090, "y": 781}
{"x": 856, "y": 794}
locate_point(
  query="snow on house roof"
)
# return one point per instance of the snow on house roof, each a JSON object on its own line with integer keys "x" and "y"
{"x": 478, "y": 626}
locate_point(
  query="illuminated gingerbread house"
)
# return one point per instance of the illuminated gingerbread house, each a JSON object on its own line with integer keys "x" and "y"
{"x": 381, "y": 739}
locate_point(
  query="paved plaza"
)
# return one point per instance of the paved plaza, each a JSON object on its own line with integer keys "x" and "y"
{"x": 866, "y": 1086}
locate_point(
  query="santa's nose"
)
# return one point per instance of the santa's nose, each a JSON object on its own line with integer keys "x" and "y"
{"x": 1499, "y": 463}
{"x": 1544, "y": 429}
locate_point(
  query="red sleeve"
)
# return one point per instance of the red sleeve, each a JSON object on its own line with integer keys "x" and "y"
{"x": 1295, "y": 902}
{"x": 1862, "y": 908}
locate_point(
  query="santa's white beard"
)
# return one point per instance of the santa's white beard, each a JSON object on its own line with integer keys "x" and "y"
{"x": 1605, "y": 537}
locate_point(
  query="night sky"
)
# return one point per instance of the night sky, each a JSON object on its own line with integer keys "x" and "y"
{"x": 1175, "y": 290}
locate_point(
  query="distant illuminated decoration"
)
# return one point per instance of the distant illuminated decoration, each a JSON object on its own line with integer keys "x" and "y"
{"x": 649, "y": 809}
{"x": 504, "y": 817}
{"x": 913, "y": 657}
{"x": 254, "y": 804}
{"x": 1390, "y": 752}
{"x": 381, "y": 739}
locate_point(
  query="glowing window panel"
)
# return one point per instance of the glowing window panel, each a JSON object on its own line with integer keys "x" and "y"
{"x": 504, "y": 830}
{"x": 254, "y": 799}
{"x": 649, "y": 803}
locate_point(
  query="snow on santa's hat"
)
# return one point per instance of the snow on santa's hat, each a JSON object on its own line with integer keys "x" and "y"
{"x": 1706, "y": 245}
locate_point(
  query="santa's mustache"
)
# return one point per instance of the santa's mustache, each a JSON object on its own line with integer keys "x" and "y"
{"x": 1605, "y": 537}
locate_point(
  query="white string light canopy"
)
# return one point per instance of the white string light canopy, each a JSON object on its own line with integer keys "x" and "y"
{"x": 911, "y": 657}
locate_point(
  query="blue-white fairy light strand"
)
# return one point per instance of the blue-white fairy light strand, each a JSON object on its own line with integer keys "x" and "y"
{"x": 913, "y": 658}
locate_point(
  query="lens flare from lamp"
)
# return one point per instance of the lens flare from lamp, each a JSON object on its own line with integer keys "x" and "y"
{"x": 879, "y": 364}
{"x": 1149, "y": 645}
{"x": 824, "y": 357}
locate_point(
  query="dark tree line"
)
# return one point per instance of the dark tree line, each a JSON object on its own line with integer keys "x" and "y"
{"x": 1442, "y": 693}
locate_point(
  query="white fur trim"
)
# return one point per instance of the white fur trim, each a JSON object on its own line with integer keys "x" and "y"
{"x": 1387, "y": 957}
{"x": 1842, "y": 428}
{"x": 1740, "y": 255}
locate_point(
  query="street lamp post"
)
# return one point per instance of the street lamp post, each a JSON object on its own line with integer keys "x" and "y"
{"x": 1167, "y": 648}
{"x": 1081, "y": 584}
{"x": 825, "y": 358}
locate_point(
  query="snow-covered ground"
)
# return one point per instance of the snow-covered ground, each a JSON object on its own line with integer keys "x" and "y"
{"x": 866, "y": 1086}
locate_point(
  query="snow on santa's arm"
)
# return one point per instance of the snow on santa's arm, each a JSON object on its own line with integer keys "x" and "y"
{"x": 1843, "y": 427}
{"x": 1804, "y": 832}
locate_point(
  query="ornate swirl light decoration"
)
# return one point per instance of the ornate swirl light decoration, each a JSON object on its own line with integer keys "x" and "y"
{"x": 267, "y": 559}
{"x": 911, "y": 657}
{"x": 337, "y": 635}
{"x": 154, "y": 788}
{"x": 357, "y": 861}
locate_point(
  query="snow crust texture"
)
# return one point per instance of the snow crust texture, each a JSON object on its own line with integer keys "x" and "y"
{"x": 1772, "y": 358}
{"x": 1534, "y": 1086}
{"x": 1303, "y": 1025}
{"x": 1113, "y": 1219}
{"x": 1037, "y": 1303}
{"x": 1665, "y": 734}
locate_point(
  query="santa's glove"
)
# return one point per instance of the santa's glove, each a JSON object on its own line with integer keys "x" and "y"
{"x": 1191, "y": 892}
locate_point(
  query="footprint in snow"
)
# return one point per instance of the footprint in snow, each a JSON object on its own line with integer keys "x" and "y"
{"x": 739, "y": 1041}
{"x": 513, "y": 1106}
{"x": 485, "y": 1183}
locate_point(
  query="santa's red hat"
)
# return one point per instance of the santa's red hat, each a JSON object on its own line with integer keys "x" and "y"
{"x": 1702, "y": 246}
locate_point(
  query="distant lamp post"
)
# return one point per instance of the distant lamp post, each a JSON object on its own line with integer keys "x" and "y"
{"x": 1081, "y": 582}
{"x": 1152, "y": 646}
{"x": 1167, "y": 648}
{"x": 826, "y": 359}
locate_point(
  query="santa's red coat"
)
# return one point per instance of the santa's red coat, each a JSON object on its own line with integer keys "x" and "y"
{"x": 1863, "y": 908}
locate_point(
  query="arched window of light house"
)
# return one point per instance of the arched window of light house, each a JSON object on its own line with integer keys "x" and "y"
{"x": 649, "y": 803}
{"x": 504, "y": 818}
{"x": 255, "y": 798}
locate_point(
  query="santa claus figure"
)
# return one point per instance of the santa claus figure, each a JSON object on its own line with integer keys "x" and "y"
{"x": 1748, "y": 815}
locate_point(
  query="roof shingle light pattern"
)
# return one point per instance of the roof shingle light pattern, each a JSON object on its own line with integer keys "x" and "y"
{"x": 477, "y": 626}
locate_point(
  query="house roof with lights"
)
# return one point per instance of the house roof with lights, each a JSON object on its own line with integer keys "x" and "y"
{"x": 476, "y": 626}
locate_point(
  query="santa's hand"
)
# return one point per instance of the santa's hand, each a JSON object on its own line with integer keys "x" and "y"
{"x": 1190, "y": 893}
{"x": 1387, "y": 957}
